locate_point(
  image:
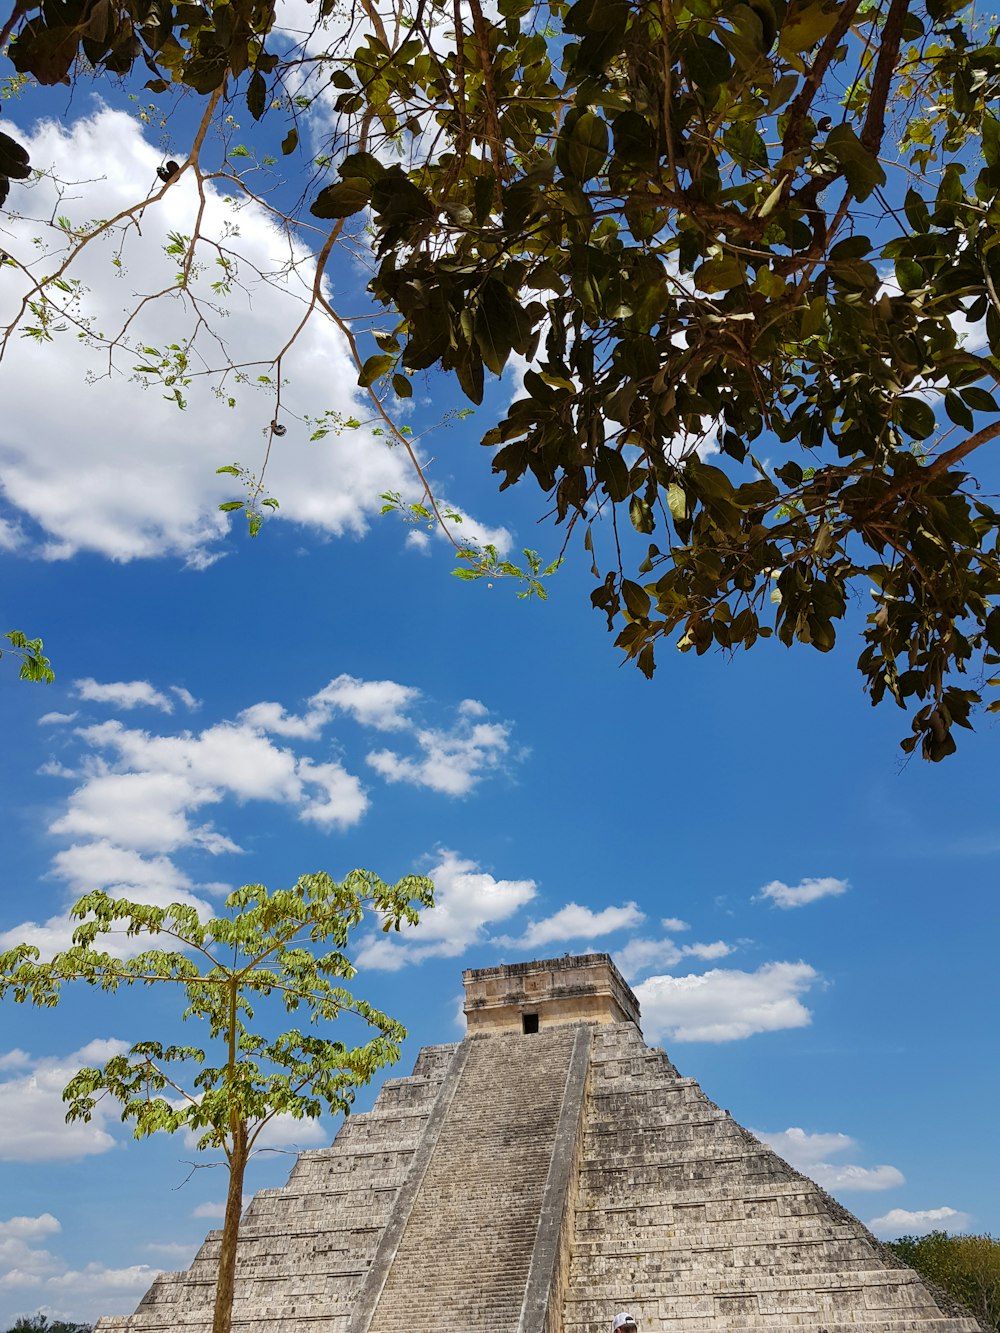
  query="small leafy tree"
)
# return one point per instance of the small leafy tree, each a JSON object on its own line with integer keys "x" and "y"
{"x": 287, "y": 946}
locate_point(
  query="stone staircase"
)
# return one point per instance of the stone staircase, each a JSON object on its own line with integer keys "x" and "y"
{"x": 465, "y": 1253}
{"x": 305, "y": 1249}
{"x": 687, "y": 1220}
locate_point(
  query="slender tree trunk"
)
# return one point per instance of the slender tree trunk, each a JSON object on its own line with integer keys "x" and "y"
{"x": 225, "y": 1288}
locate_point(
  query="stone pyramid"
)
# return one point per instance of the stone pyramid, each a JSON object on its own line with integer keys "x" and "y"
{"x": 538, "y": 1176}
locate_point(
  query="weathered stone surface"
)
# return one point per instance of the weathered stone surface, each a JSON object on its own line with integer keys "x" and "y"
{"x": 537, "y": 1183}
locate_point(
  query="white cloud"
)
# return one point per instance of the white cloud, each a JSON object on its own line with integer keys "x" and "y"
{"x": 726, "y": 1005}
{"x": 574, "y": 922}
{"x": 381, "y": 704}
{"x": 210, "y": 1210}
{"x": 639, "y": 955}
{"x": 146, "y": 787}
{"x": 124, "y": 472}
{"x": 56, "y": 719}
{"x": 808, "y": 1154}
{"x": 866, "y": 1178}
{"x": 33, "y": 1278}
{"x": 806, "y": 891}
{"x": 707, "y": 952}
{"x": 176, "y": 1252}
{"x": 27, "y": 1228}
{"x": 123, "y": 694}
{"x": 902, "y": 1222}
{"x": 284, "y": 1131}
{"x": 804, "y": 1150}
{"x": 23, "y": 1264}
{"x": 141, "y": 797}
{"x": 673, "y": 923}
{"x": 120, "y": 871}
{"x": 452, "y": 761}
{"x": 96, "y": 1290}
{"x": 186, "y": 698}
{"x": 33, "y": 1124}
{"x": 15, "y": 1059}
{"x": 466, "y": 900}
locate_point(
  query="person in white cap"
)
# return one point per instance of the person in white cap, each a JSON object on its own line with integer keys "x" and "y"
{"x": 625, "y": 1322}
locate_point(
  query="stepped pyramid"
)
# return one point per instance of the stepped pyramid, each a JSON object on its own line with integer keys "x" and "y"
{"x": 538, "y": 1176}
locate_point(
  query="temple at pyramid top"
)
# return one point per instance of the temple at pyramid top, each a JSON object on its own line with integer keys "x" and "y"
{"x": 527, "y": 997}
{"x": 542, "y": 1174}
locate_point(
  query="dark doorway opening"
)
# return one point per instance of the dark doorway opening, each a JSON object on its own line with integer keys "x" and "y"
{"x": 529, "y": 1022}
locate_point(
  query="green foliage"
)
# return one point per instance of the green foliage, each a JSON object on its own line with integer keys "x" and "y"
{"x": 286, "y": 947}
{"x": 967, "y": 1267}
{"x": 693, "y": 220}
{"x": 34, "y": 664}
{"x": 40, "y": 1323}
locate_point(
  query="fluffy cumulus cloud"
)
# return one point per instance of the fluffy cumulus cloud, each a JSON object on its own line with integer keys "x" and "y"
{"x": 453, "y": 760}
{"x": 809, "y": 1153}
{"x": 903, "y": 1222}
{"x": 124, "y": 694}
{"x": 466, "y": 901}
{"x": 574, "y": 922}
{"x": 33, "y": 1124}
{"x": 640, "y": 956}
{"x": 142, "y": 797}
{"x": 283, "y": 1132}
{"x": 382, "y": 704}
{"x": 151, "y": 488}
{"x": 32, "y": 1277}
{"x": 726, "y": 1004}
{"x": 25, "y": 1262}
{"x": 806, "y": 891}
{"x": 210, "y": 1210}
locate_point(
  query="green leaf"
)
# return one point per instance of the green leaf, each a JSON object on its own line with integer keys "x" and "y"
{"x": 374, "y": 368}
{"x": 257, "y": 95}
{"x": 916, "y": 417}
{"x": 917, "y": 212}
{"x": 861, "y": 169}
{"x": 13, "y": 159}
{"x": 719, "y": 275}
{"x": 365, "y": 165}
{"x": 636, "y": 599}
{"x": 708, "y": 64}
{"x": 807, "y": 24}
{"x": 979, "y": 400}
{"x": 230, "y": 505}
{"x": 677, "y": 501}
{"x": 402, "y": 386}
{"x": 347, "y": 197}
{"x": 582, "y": 148}
{"x": 958, "y": 411}
{"x": 612, "y": 471}
{"x": 641, "y": 514}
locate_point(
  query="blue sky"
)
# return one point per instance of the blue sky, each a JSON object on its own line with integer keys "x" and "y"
{"x": 809, "y": 922}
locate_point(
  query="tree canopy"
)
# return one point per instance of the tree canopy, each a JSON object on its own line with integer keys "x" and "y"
{"x": 762, "y": 234}
{"x": 41, "y": 1323}
{"x": 968, "y": 1267}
